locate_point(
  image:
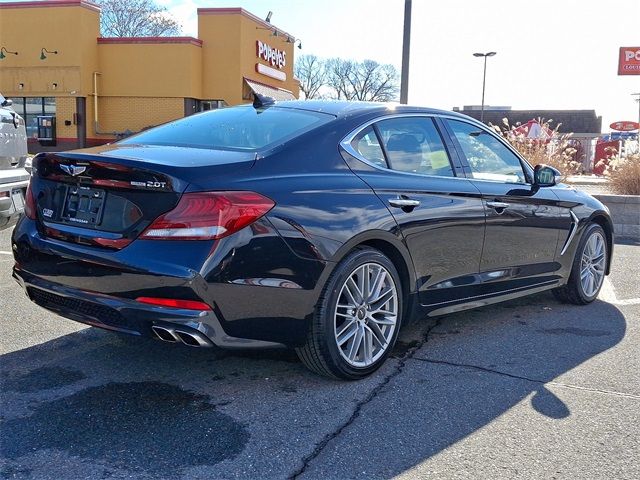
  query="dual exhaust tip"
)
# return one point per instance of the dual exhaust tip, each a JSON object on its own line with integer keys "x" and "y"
{"x": 174, "y": 335}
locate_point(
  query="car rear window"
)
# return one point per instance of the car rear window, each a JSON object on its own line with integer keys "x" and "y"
{"x": 234, "y": 128}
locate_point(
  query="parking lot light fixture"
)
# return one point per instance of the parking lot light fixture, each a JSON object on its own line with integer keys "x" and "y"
{"x": 484, "y": 78}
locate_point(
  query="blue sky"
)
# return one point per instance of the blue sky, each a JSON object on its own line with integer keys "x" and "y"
{"x": 551, "y": 54}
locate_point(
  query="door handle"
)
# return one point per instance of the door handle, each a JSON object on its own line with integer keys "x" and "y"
{"x": 498, "y": 206}
{"x": 403, "y": 203}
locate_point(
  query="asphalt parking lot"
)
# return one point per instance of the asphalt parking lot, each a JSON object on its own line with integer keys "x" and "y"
{"x": 526, "y": 389}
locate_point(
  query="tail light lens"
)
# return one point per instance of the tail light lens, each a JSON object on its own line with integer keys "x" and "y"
{"x": 30, "y": 204}
{"x": 208, "y": 216}
{"x": 174, "y": 303}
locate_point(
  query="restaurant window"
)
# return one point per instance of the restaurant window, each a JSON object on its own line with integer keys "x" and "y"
{"x": 30, "y": 107}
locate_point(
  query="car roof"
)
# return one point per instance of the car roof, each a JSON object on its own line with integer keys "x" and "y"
{"x": 341, "y": 108}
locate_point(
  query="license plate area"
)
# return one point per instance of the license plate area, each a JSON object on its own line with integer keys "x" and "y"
{"x": 83, "y": 206}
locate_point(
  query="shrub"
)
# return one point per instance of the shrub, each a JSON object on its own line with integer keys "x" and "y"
{"x": 556, "y": 151}
{"x": 624, "y": 174}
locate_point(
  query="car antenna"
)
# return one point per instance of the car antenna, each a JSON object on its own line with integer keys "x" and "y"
{"x": 261, "y": 101}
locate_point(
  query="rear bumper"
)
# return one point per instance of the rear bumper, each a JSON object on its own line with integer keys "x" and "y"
{"x": 12, "y": 205}
{"x": 129, "y": 316}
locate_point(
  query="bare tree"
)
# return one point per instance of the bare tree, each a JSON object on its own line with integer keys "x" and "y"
{"x": 366, "y": 81}
{"x": 136, "y": 18}
{"x": 310, "y": 70}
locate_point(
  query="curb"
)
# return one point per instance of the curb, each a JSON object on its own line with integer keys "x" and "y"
{"x": 625, "y": 213}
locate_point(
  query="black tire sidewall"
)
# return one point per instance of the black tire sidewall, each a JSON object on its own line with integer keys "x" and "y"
{"x": 341, "y": 274}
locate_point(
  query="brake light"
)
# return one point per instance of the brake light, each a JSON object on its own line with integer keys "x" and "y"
{"x": 174, "y": 303}
{"x": 30, "y": 204}
{"x": 208, "y": 216}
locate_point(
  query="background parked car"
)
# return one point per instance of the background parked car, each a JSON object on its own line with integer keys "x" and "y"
{"x": 13, "y": 160}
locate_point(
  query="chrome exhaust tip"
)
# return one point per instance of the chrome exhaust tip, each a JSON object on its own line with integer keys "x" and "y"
{"x": 164, "y": 334}
{"x": 192, "y": 339}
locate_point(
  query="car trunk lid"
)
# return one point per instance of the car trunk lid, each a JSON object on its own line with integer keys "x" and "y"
{"x": 107, "y": 196}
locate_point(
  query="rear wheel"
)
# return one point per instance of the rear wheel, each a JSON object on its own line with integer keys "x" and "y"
{"x": 588, "y": 269}
{"x": 356, "y": 323}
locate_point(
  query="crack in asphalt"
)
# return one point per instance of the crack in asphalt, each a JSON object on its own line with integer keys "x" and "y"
{"x": 528, "y": 379}
{"x": 306, "y": 461}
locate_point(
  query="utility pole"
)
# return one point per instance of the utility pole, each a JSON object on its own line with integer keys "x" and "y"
{"x": 484, "y": 78}
{"x": 406, "y": 44}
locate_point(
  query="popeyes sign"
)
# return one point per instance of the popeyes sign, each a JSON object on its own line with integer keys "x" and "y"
{"x": 629, "y": 61}
{"x": 275, "y": 57}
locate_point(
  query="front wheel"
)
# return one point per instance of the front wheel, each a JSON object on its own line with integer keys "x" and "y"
{"x": 588, "y": 268}
{"x": 358, "y": 317}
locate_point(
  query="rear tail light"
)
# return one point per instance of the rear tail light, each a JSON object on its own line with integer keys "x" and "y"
{"x": 208, "y": 216}
{"x": 174, "y": 303}
{"x": 30, "y": 204}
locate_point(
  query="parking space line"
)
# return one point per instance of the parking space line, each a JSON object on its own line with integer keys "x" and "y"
{"x": 608, "y": 294}
{"x": 5, "y": 253}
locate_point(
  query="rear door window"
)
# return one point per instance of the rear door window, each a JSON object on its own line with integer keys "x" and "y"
{"x": 414, "y": 145}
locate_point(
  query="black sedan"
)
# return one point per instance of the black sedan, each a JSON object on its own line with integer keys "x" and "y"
{"x": 319, "y": 226}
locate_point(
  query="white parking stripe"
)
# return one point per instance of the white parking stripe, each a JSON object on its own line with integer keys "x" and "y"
{"x": 5, "y": 253}
{"x": 608, "y": 294}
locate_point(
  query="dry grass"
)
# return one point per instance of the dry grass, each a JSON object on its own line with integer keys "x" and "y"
{"x": 624, "y": 174}
{"x": 556, "y": 152}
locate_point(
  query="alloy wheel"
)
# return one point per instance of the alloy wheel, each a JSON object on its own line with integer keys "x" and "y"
{"x": 366, "y": 315}
{"x": 592, "y": 264}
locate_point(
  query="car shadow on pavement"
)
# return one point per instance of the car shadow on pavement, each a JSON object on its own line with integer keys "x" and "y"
{"x": 109, "y": 407}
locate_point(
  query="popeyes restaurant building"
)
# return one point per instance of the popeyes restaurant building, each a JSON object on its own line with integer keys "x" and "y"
{"x": 76, "y": 89}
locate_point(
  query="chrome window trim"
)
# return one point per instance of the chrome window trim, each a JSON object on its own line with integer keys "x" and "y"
{"x": 345, "y": 143}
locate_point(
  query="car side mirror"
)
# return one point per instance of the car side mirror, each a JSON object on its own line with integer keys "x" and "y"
{"x": 546, "y": 176}
{"x": 7, "y": 103}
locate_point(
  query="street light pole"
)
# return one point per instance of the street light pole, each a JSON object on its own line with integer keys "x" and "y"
{"x": 638, "y": 100}
{"x": 406, "y": 43}
{"x": 484, "y": 78}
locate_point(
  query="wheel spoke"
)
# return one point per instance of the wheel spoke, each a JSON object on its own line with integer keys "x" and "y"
{"x": 385, "y": 320}
{"x": 378, "y": 336}
{"x": 351, "y": 290}
{"x": 347, "y": 332}
{"x": 382, "y": 300}
{"x": 367, "y": 345}
{"x": 354, "y": 344}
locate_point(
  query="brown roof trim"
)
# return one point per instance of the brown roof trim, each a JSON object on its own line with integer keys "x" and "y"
{"x": 245, "y": 13}
{"x": 148, "y": 40}
{"x": 52, "y": 3}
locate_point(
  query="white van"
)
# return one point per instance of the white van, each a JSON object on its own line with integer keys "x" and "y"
{"x": 14, "y": 162}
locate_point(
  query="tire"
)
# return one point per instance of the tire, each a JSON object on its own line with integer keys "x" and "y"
{"x": 330, "y": 349}
{"x": 592, "y": 250}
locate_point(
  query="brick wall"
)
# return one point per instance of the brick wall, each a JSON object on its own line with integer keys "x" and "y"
{"x": 117, "y": 114}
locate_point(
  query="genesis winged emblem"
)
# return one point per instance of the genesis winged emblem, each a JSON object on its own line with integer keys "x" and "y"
{"x": 72, "y": 170}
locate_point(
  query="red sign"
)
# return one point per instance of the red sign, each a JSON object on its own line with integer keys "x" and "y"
{"x": 629, "y": 61}
{"x": 624, "y": 126}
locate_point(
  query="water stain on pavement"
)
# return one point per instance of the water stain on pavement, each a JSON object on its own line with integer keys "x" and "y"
{"x": 43, "y": 378}
{"x": 580, "y": 332}
{"x": 142, "y": 426}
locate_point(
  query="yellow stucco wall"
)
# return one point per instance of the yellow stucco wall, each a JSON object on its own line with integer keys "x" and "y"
{"x": 150, "y": 70}
{"x": 141, "y": 82}
{"x": 69, "y": 30}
